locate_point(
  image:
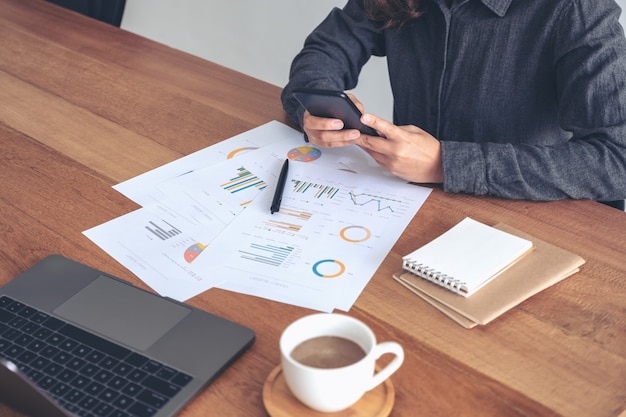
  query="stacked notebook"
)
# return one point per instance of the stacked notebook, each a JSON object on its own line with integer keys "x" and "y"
{"x": 474, "y": 273}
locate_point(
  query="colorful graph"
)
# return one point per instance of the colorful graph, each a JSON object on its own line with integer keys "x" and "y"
{"x": 235, "y": 152}
{"x": 242, "y": 181}
{"x": 328, "y": 268}
{"x": 381, "y": 203}
{"x": 304, "y": 154}
{"x": 267, "y": 254}
{"x": 193, "y": 251}
{"x": 318, "y": 190}
{"x": 301, "y": 215}
{"x": 277, "y": 224}
{"x": 355, "y": 234}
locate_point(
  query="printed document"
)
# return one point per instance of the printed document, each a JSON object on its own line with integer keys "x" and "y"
{"x": 205, "y": 221}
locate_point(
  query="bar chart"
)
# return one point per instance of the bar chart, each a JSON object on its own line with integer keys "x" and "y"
{"x": 242, "y": 181}
{"x": 163, "y": 232}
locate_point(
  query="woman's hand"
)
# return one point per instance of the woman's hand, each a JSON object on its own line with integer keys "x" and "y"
{"x": 405, "y": 151}
{"x": 327, "y": 132}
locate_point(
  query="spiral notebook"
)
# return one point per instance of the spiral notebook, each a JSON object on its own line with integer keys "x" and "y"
{"x": 467, "y": 256}
{"x": 545, "y": 266}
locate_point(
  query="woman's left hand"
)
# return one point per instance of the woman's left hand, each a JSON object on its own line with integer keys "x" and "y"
{"x": 405, "y": 151}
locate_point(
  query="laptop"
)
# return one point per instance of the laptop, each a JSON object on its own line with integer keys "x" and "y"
{"x": 98, "y": 346}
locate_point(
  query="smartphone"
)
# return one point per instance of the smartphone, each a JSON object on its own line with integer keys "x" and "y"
{"x": 333, "y": 104}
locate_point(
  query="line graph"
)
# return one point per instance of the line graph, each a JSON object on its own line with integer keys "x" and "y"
{"x": 381, "y": 203}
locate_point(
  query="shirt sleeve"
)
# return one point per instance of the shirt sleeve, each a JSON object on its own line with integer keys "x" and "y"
{"x": 590, "y": 83}
{"x": 333, "y": 55}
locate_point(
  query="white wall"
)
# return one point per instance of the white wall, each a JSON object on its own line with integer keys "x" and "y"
{"x": 258, "y": 38}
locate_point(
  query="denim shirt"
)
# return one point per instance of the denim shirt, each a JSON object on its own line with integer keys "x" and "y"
{"x": 528, "y": 97}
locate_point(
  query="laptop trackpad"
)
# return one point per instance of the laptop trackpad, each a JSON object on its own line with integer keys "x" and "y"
{"x": 122, "y": 312}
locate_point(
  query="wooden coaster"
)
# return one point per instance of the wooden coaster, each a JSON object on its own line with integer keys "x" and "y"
{"x": 280, "y": 402}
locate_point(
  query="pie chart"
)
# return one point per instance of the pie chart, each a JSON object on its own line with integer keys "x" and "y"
{"x": 304, "y": 154}
{"x": 355, "y": 234}
{"x": 237, "y": 151}
{"x": 193, "y": 251}
{"x": 328, "y": 268}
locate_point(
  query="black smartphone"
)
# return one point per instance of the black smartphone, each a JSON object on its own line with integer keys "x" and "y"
{"x": 332, "y": 104}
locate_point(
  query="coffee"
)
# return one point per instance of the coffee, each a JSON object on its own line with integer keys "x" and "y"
{"x": 328, "y": 352}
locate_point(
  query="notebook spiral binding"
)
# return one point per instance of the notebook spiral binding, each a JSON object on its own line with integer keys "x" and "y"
{"x": 439, "y": 278}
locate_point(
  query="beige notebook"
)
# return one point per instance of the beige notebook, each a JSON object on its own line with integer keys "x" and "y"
{"x": 466, "y": 257}
{"x": 545, "y": 266}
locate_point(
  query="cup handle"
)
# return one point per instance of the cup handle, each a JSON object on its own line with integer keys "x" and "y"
{"x": 383, "y": 374}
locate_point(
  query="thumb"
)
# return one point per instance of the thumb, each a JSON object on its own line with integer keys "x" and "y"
{"x": 382, "y": 126}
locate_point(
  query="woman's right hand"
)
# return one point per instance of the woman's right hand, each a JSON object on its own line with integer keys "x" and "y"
{"x": 328, "y": 133}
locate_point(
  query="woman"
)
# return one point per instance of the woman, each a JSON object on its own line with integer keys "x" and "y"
{"x": 523, "y": 99}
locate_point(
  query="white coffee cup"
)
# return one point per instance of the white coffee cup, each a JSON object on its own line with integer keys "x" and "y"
{"x": 335, "y": 389}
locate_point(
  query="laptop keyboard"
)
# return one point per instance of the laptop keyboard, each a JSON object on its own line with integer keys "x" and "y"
{"x": 86, "y": 374}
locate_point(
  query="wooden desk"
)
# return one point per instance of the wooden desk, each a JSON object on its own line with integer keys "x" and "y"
{"x": 84, "y": 105}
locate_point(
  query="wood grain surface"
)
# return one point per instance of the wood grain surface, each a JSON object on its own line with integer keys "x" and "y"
{"x": 85, "y": 105}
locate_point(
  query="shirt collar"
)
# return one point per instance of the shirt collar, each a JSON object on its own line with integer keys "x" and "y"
{"x": 499, "y": 7}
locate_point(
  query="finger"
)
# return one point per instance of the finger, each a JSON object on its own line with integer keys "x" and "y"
{"x": 333, "y": 138}
{"x": 311, "y": 122}
{"x": 382, "y": 126}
